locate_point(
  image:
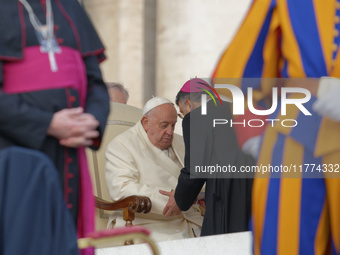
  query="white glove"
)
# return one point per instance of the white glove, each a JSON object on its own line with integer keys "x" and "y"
{"x": 328, "y": 103}
{"x": 252, "y": 146}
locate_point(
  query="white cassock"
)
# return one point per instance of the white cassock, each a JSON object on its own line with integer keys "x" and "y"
{"x": 134, "y": 166}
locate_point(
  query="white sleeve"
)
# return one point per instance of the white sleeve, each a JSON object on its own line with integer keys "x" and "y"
{"x": 122, "y": 178}
{"x": 328, "y": 103}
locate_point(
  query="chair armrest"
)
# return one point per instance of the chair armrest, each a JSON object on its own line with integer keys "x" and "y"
{"x": 139, "y": 204}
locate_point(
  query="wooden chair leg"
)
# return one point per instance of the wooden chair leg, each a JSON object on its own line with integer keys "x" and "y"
{"x": 128, "y": 217}
{"x": 130, "y": 206}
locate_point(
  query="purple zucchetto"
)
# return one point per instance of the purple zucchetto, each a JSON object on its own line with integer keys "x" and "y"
{"x": 193, "y": 85}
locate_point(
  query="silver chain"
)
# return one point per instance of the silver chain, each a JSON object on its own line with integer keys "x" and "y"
{"x": 45, "y": 34}
{"x": 36, "y": 22}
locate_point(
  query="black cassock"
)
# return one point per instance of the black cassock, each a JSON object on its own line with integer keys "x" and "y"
{"x": 25, "y": 117}
{"x": 33, "y": 215}
{"x": 227, "y": 197}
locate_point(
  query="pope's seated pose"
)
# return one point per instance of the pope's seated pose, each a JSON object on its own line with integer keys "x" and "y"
{"x": 146, "y": 160}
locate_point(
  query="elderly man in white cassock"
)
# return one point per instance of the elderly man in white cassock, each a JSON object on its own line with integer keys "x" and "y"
{"x": 146, "y": 160}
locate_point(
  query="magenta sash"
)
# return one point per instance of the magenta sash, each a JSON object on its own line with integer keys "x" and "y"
{"x": 33, "y": 73}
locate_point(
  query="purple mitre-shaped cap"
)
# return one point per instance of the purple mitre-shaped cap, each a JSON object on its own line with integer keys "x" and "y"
{"x": 194, "y": 85}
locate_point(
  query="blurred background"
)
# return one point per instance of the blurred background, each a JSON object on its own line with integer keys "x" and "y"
{"x": 154, "y": 46}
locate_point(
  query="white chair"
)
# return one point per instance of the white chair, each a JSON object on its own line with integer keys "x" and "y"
{"x": 121, "y": 118}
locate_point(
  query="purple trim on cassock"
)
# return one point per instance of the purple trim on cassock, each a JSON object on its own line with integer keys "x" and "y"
{"x": 71, "y": 74}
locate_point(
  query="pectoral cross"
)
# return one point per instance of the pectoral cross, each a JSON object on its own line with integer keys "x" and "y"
{"x": 44, "y": 33}
{"x": 49, "y": 46}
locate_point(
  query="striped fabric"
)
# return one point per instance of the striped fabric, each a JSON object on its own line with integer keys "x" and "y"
{"x": 291, "y": 39}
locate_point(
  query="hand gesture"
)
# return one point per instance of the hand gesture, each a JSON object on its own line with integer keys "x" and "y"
{"x": 73, "y": 127}
{"x": 171, "y": 208}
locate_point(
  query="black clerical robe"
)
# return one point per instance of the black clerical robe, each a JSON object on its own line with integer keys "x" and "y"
{"x": 25, "y": 117}
{"x": 33, "y": 217}
{"x": 227, "y": 198}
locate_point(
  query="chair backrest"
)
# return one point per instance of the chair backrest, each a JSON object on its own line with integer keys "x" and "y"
{"x": 121, "y": 118}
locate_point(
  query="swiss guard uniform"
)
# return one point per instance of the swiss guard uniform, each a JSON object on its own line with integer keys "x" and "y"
{"x": 292, "y": 39}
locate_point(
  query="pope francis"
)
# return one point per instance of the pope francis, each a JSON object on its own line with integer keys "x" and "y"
{"x": 146, "y": 160}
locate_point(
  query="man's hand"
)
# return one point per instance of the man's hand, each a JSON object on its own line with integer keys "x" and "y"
{"x": 63, "y": 123}
{"x": 73, "y": 127}
{"x": 201, "y": 203}
{"x": 171, "y": 208}
{"x": 87, "y": 121}
{"x": 75, "y": 141}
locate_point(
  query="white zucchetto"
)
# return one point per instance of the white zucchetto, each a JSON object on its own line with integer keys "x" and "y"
{"x": 154, "y": 102}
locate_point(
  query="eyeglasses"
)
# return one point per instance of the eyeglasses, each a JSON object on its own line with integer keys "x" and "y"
{"x": 180, "y": 115}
